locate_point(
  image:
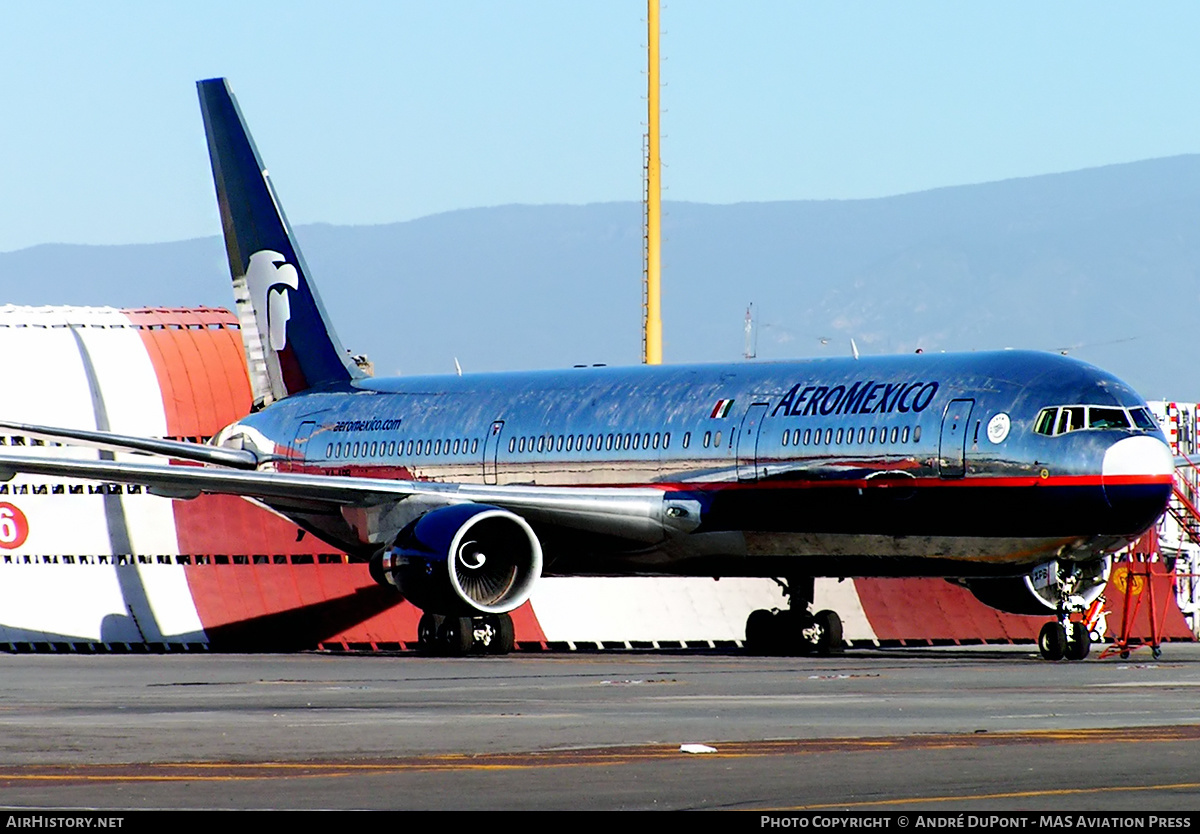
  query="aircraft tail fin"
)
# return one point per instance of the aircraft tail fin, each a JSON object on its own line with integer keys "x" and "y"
{"x": 289, "y": 342}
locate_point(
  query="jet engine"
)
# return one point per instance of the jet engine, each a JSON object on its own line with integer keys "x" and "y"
{"x": 463, "y": 560}
{"x": 1039, "y": 591}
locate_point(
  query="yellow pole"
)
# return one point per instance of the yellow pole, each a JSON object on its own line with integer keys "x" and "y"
{"x": 653, "y": 312}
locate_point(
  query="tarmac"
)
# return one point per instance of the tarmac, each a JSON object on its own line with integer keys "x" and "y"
{"x": 942, "y": 729}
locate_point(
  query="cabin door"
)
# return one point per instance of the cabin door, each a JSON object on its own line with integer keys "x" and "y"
{"x": 491, "y": 450}
{"x": 747, "y": 442}
{"x": 952, "y": 449}
{"x": 298, "y": 451}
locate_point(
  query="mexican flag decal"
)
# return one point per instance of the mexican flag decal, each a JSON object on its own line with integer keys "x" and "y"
{"x": 721, "y": 409}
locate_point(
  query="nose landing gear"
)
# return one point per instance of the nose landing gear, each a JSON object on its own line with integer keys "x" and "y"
{"x": 794, "y": 630}
{"x": 1067, "y": 636}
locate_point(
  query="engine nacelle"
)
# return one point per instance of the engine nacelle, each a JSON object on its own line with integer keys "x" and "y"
{"x": 463, "y": 560}
{"x": 1038, "y": 592}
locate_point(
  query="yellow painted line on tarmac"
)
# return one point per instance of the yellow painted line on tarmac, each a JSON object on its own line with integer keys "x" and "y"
{"x": 604, "y": 757}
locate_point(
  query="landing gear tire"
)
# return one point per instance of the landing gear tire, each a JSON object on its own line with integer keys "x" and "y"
{"x": 501, "y": 627}
{"x": 1079, "y": 644}
{"x": 427, "y": 633}
{"x": 829, "y": 635}
{"x": 1052, "y": 641}
{"x": 760, "y": 632}
{"x": 457, "y": 635}
{"x": 798, "y": 631}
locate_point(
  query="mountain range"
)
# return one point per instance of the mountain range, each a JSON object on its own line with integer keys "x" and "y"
{"x": 1102, "y": 263}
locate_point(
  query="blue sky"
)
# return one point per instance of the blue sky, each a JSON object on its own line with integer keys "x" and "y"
{"x": 377, "y": 112}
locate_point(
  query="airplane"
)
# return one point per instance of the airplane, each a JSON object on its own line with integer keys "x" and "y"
{"x": 1014, "y": 473}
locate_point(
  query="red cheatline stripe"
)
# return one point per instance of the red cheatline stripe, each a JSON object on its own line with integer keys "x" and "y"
{"x": 933, "y": 482}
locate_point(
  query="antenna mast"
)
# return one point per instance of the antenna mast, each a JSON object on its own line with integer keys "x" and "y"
{"x": 652, "y": 282}
{"x": 751, "y": 349}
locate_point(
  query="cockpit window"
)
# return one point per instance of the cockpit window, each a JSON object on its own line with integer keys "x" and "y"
{"x": 1142, "y": 419}
{"x": 1107, "y": 418}
{"x": 1068, "y": 418}
{"x": 1045, "y": 421}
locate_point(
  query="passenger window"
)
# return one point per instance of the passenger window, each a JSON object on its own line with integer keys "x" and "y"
{"x": 392, "y": 449}
{"x": 608, "y": 442}
{"x": 917, "y": 435}
{"x": 895, "y": 433}
{"x": 570, "y": 442}
{"x": 329, "y": 451}
{"x": 521, "y": 445}
{"x": 839, "y": 437}
{"x": 904, "y": 435}
{"x": 862, "y": 433}
{"x": 646, "y": 441}
{"x": 637, "y": 441}
{"x": 871, "y": 435}
{"x": 409, "y": 449}
{"x": 717, "y": 440}
{"x": 657, "y": 438}
{"x": 589, "y": 443}
{"x": 786, "y": 436}
{"x": 828, "y": 437}
{"x": 707, "y": 439}
{"x": 807, "y": 436}
{"x": 558, "y": 443}
{"x": 667, "y": 441}
{"x": 512, "y": 445}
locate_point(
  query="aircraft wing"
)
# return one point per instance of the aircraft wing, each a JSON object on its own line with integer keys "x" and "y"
{"x": 377, "y": 508}
{"x": 201, "y": 453}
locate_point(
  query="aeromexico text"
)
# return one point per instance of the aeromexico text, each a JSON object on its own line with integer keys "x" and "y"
{"x": 868, "y": 397}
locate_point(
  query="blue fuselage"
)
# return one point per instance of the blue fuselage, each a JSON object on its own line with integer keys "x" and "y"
{"x": 900, "y": 465}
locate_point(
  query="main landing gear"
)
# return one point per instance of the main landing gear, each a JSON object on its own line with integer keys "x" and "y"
{"x": 794, "y": 630}
{"x": 457, "y": 636}
{"x": 1066, "y": 637}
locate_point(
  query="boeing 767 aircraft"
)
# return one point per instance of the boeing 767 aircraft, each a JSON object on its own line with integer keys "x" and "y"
{"x": 1013, "y": 472}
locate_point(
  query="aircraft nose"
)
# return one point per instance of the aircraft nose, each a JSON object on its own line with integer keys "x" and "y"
{"x": 1137, "y": 475}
